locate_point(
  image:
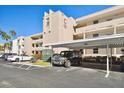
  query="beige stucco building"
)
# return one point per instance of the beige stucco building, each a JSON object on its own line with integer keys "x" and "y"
{"x": 58, "y": 28}
{"x": 104, "y": 23}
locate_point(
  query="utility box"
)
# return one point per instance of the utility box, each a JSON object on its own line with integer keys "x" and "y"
{"x": 47, "y": 54}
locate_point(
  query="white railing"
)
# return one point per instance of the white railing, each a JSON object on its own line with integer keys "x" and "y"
{"x": 107, "y": 24}
{"x": 37, "y": 41}
{"x": 37, "y": 48}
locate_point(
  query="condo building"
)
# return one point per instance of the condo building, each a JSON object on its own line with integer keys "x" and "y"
{"x": 106, "y": 23}
{"x": 29, "y": 45}
{"x": 18, "y": 45}
{"x": 60, "y": 31}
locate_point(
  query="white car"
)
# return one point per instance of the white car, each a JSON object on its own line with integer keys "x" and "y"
{"x": 1, "y": 55}
{"x": 19, "y": 58}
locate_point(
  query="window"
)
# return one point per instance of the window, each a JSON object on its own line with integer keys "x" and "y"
{"x": 109, "y": 19}
{"x": 81, "y": 50}
{"x": 32, "y": 52}
{"x": 37, "y": 45}
{"x": 95, "y": 35}
{"x": 32, "y": 45}
{"x": 95, "y": 22}
{"x": 122, "y": 50}
{"x": 40, "y": 44}
{"x": 37, "y": 52}
{"x": 47, "y": 21}
{"x": 49, "y": 31}
{"x": 65, "y": 23}
{"x": 95, "y": 51}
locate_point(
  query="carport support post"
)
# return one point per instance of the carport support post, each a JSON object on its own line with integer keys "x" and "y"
{"x": 51, "y": 56}
{"x": 107, "y": 52}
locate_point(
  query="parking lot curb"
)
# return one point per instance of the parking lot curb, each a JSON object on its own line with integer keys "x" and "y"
{"x": 21, "y": 63}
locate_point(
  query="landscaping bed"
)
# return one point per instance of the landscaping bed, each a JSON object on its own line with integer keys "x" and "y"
{"x": 41, "y": 63}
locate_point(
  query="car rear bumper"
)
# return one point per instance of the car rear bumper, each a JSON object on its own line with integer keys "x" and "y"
{"x": 57, "y": 62}
{"x": 10, "y": 59}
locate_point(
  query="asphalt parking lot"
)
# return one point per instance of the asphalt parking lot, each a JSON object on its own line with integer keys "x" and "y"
{"x": 17, "y": 76}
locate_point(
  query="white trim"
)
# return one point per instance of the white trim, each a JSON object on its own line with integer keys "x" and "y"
{"x": 107, "y": 37}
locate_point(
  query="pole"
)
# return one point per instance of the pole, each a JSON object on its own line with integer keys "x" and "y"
{"x": 50, "y": 47}
{"x": 107, "y": 68}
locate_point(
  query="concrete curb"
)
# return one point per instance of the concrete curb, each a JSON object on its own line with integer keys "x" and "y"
{"x": 29, "y": 64}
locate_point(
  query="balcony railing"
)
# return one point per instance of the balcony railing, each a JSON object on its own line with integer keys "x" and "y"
{"x": 37, "y": 48}
{"x": 37, "y": 41}
{"x": 102, "y": 25}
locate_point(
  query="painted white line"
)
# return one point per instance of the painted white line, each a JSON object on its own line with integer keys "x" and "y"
{"x": 60, "y": 70}
{"x": 20, "y": 66}
{"x": 72, "y": 68}
{"x": 28, "y": 68}
{"x": 89, "y": 70}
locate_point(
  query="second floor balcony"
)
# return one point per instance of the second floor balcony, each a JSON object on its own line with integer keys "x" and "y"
{"x": 101, "y": 26}
{"x": 37, "y": 41}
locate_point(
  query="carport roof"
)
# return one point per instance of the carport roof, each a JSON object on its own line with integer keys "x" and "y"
{"x": 99, "y": 42}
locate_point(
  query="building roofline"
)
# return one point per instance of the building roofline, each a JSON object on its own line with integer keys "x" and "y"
{"x": 114, "y": 8}
{"x": 37, "y": 34}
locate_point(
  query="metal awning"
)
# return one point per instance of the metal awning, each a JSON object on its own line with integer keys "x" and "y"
{"x": 100, "y": 42}
{"x": 108, "y": 41}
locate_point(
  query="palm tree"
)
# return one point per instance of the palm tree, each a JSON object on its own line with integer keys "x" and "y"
{"x": 1, "y": 47}
{"x": 6, "y": 37}
{"x": 1, "y": 32}
{"x": 12, "y": 33}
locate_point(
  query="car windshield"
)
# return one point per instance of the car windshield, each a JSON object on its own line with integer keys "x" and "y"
{"x": 69, "y": 53}
{"x": 66, "y": 53}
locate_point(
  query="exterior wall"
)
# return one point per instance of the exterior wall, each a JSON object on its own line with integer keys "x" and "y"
{"x": 100, "y": 33}
{"x": 28, "y": 46}
{"x": 60, "y": 28}
{"x": 59, "y": 49}
{"x": 111, "y": 23}
{"x": 18, "y": 45}
{"x": 15, "y": 46}
{"x": 101, "y": 52}
{"x": 104, "y": 19}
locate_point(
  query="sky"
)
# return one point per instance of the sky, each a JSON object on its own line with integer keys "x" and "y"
{"x": 27, "y": 20}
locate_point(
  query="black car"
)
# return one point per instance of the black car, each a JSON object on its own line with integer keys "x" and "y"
{"x": 67, "y": 58}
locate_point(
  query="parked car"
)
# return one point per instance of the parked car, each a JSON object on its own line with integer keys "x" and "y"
{"x": 6, "y": 55}
{"x": 19, "y": 58}
{"x": 1, "y": 55}
{"x": 67, "y": 58}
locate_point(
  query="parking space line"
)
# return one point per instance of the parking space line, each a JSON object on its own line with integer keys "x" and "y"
{"x": 28, "y": 67}
{"x": 60, "y": 70}
{"x": 20, "y": 66}
{"x": 71, "y": 69}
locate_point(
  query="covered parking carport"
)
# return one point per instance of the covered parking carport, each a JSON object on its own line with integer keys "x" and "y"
{"x": 108, "y": 41}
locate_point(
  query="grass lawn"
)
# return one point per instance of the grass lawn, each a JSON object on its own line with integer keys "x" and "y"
{"x": 42, "y": 63}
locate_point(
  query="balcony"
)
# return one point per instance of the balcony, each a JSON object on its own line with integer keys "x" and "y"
{"x": 37, "y": 41}
{"x": 37, "y": 48}
{"x": 103, "y": 25}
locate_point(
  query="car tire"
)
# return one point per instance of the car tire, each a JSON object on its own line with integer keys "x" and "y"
{"x": 67, "y": 64}
{"x": 17, "y": 60}
{"x": 33, "y": 60}
{"x": 53, "y": 64}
